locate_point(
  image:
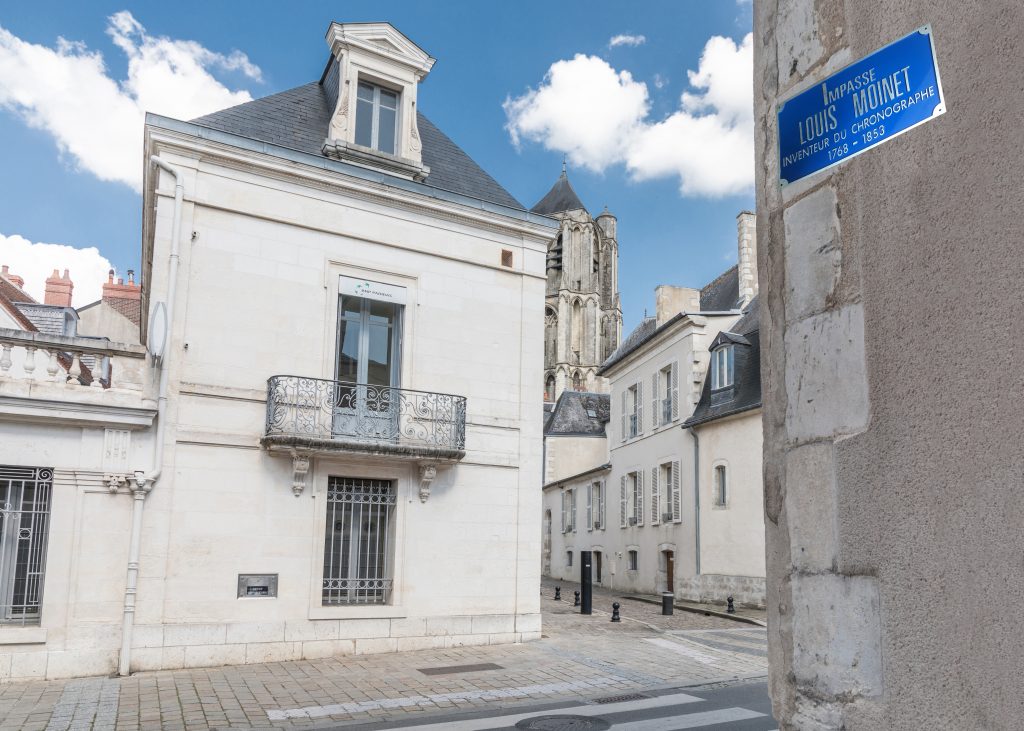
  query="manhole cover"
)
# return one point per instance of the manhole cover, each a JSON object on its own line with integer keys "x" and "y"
{"x": 563, "y": 723}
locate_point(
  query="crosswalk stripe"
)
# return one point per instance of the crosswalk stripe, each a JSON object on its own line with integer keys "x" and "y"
{"x": 690, "y": 720}
{"x": 685, "y": 650}
{"x": 475, "y": 724}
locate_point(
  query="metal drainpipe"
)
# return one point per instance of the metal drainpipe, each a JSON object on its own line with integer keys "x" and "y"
{"x": 144, "y": 481}
{"x": 696, "y": 490}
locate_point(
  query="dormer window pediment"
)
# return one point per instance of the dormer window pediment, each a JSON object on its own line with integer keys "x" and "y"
{"x": 374, "y": 121}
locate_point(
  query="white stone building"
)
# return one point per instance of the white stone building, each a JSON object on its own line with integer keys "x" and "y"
{"x": 337, "y": 450}
{"x": 680, "y": 501}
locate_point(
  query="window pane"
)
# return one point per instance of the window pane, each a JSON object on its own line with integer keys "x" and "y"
{"x": 386, "y": 129}
{"x": 348, "y": 351}
{"x": 364, "y": 121}
{"x": 356, "y": 550}
{"x": 366, "y": 92}
{"x": 388, "y": 99}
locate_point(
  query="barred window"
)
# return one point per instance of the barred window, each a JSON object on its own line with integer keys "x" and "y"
{"x": 357, "y": 550}
{"x": 25, "y": 495}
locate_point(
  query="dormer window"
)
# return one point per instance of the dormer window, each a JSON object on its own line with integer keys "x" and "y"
{"x": 722, "y": 367}
{"x": 377, "y": 117}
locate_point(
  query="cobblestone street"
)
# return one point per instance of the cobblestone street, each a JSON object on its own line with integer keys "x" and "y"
{"x": 578, "y": 657}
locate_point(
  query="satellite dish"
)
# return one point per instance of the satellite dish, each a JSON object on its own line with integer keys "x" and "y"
{"x": 157, "y": 339}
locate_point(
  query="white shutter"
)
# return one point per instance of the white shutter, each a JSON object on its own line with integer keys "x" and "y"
{"x": 675, "y": 390}
{"x": 640, "y": 497}
{"x": 564, "y": 516}
{"x": 622, "y": 504}
{"x": 623, "y": 416}
{"x": 677, "y": 508}
{"x": 655, "y": 497}
{"x": 639, "y": 407}
{"x": 572, "y": 509}
{"x": 602, "y": 491}
{"x": 590, "y": 507}
{"x": 654, "y": 400}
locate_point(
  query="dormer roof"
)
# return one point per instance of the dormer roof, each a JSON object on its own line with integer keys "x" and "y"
{"x": 560, "y": 198}
{"x": 382, "y": 39}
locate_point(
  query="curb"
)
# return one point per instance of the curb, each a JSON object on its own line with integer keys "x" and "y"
{"x": 697, "y": 610}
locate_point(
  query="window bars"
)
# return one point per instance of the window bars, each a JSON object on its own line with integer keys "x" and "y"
{"x": 25, "y": 496}
{"x": 358, "y": 540}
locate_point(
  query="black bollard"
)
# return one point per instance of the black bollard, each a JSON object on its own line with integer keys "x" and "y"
{"x": 666, "y": 602}
{"x": 586, "y": 582}
{"x": 558, "y": 593}
{"x": 576, "y": 601}
{"x": 615, "y": 612}
{"x": 730, "y": 609}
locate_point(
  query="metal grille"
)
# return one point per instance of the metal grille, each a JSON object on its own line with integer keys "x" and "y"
{"x": 25, "y": 494}
{"x": 357, "y": 560}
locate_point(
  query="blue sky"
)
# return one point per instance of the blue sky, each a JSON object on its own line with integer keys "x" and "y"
{"x": 487, "y": 54}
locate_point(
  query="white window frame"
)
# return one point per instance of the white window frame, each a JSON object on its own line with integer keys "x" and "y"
{"x": 723, "y": 367}
{"x": 375, "y": 115}
{"x": 595, "y": 506}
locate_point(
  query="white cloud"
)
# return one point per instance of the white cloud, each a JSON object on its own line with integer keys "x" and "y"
{"x": 660, "y": 81}
{"x": 584, "y": 108}
{"x": 34, "y": 262}
{"x": 624, "y": 39}
{"x": 96, "y": 120}
{"x": 599, "y": 117}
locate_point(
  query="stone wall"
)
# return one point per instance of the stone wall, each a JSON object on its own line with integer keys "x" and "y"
{"x": 892, "y": 423}
{"x": 717, "y": 588}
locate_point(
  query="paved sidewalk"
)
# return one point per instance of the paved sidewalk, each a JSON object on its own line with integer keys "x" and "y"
{"x": 578, "y": 657}
{"x": 604, "y": 597}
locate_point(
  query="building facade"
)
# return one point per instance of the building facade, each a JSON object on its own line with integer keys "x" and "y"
{"x": 583, "y": 314}
{"x": 679, "y": 502}
{"x": 342, "y": 317}
{"x": 893, "y": 426}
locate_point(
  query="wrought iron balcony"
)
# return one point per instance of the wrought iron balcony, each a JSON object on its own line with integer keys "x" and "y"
{"x": 320, "y": 416}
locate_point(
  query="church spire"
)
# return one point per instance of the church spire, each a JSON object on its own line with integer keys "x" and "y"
{"x": 560, "y": 198}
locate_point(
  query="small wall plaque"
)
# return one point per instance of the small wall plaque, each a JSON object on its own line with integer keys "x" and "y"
{"x": 257, "y": 585}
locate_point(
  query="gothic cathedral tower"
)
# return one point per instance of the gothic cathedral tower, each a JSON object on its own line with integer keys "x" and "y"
{"x": 583, "y": 315}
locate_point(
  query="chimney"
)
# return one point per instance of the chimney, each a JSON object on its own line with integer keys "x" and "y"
{"x": 746, "y": 236}
{"x": 12, "y": 278}
{"x": 120, "y": 290}
{"x": 669, "y": 301}
{"x": 58, "y": 289}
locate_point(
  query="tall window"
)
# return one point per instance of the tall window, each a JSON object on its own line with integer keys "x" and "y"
{"x": 722, "y": 365}
{"x": 721, "y": 486}
{"x": 632, "y": 561}
{"x": 595, "y": 506}
{"x": 368, "y": 341}
{"x": 637, "y": 487}
{"x": 376, "y": 117}
{"x": 358, "y": 545}
{"x": 665, "y": 389}
{"x": 632, "y": 409}
{"x": 25, "y": 493}
{"x": 665, "y": 475}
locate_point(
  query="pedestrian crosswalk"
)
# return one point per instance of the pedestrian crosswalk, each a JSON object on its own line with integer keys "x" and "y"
{"x": 667, "y": 711}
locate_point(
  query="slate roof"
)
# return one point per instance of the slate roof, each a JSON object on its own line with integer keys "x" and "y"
{"x": 640, "y": 335}
{"x": 722, "y": 293}
{"x": 572, "y": 415}
{"x": 299, "y": 118}
{"x": 560, "y": 198}
{"x": 745, "y": 393}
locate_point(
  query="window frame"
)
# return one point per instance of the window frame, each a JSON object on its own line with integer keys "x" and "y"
{"x": 723, "y": 367}
{"x": 720, "y": 485}
{"x": 15, "y": 574}
{"x": 406, "y": 487}
{"x": 632, "y": 559}
{"x": 375, "y": 108}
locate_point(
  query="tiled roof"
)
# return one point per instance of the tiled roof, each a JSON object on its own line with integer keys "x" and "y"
{"x": 299, "y": 119}
{"x": 579, "y": 413}
{"x": 745, "y": 393}
{"x": 560, "y": 198}
{"x": 10, "y": 293}
{"x": 130, "y": 308}
{"x": 641, "y": 333}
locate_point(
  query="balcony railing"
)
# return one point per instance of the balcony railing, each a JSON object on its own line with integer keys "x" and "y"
{"x": 313, "y": 414}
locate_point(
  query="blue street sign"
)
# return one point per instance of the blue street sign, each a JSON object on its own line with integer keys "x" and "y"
{"x": 863, "y": 105}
